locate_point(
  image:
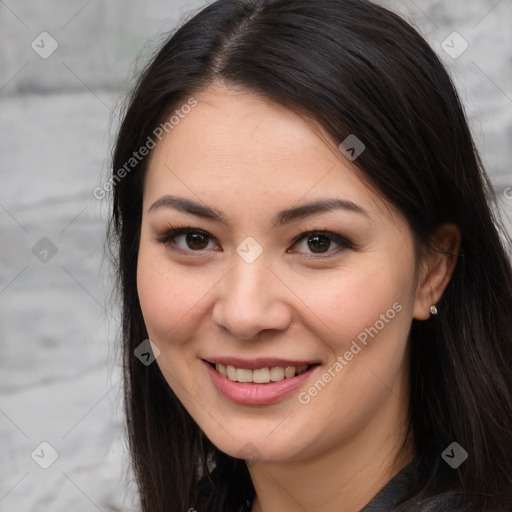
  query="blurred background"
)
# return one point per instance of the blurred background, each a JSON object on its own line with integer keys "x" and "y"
{"x": 65, "y": 67}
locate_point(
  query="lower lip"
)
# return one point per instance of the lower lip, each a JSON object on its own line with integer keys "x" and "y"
{"x": 257, "y": 394}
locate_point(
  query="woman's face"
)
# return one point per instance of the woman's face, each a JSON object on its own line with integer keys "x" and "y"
{"x": 264, "y": 282}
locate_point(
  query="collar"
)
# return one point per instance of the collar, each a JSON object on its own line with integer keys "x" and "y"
{"x": 394, "y": 490}
{"x": 387, "y": 497}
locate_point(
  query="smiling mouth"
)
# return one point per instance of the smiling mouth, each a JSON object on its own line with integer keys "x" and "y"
{"x": 261, "y": 375}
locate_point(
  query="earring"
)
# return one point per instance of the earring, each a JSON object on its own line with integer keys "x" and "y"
{"x": 433, "y": 309}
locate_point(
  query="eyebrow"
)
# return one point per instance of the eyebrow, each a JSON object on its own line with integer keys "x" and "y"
{"x": 283, "y": 217}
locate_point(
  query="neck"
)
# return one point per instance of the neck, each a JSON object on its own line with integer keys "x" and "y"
{"x": 345, "y": 477}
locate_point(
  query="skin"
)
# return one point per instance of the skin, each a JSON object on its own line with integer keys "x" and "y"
{"x": 249, "y": 158}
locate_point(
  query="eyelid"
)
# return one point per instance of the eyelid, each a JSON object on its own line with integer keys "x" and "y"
{"x": 337, "y": 238}
{"x": 177, "y": 230}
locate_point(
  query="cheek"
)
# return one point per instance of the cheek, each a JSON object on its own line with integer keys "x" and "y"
{"x": 365, "y": 318}
{"x": 354, "y": 301}
{"x": 169, "y": 298}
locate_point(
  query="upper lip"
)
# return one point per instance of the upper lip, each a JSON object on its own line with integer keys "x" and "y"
{"x": 257, "y": 363}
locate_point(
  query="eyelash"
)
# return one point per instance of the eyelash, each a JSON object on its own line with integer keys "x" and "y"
{"x": 173, "y": 232}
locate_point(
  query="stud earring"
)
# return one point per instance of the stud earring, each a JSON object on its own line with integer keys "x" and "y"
{"x": 433, "y": 309}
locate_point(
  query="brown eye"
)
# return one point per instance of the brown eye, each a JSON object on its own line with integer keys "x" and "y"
{"x": 186, "y": 239}
{"x": 196, "y": 241}
{"x": 319, "y": 242}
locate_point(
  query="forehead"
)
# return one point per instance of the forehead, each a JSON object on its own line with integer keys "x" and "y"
{"x": 239, "y": 145}
{"x": 233, "y": 124}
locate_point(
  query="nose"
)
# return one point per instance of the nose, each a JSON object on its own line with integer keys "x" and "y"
{"x": 252, "y": 299}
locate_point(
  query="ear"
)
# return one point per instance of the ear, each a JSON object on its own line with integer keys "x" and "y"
{"x": 436, "y": 269}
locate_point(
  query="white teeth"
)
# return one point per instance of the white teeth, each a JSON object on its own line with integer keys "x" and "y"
{"x": 301, "y": 369}
{"x": 243, "y": 375}
{"x": 261, "y": 375}
{"x": 277, "y": 373}
{"x": 289, "y": 372}
{"x": 232, "y": 373}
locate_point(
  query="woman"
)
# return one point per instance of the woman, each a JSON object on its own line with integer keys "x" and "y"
{"x": 302, "y": 231}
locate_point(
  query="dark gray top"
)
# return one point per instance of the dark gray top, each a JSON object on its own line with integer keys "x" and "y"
{"x": 394, "y": 490}
{"x": 389, "y": 495}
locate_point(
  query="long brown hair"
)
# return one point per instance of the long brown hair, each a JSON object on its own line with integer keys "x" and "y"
{"x": 356, "y": 68}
